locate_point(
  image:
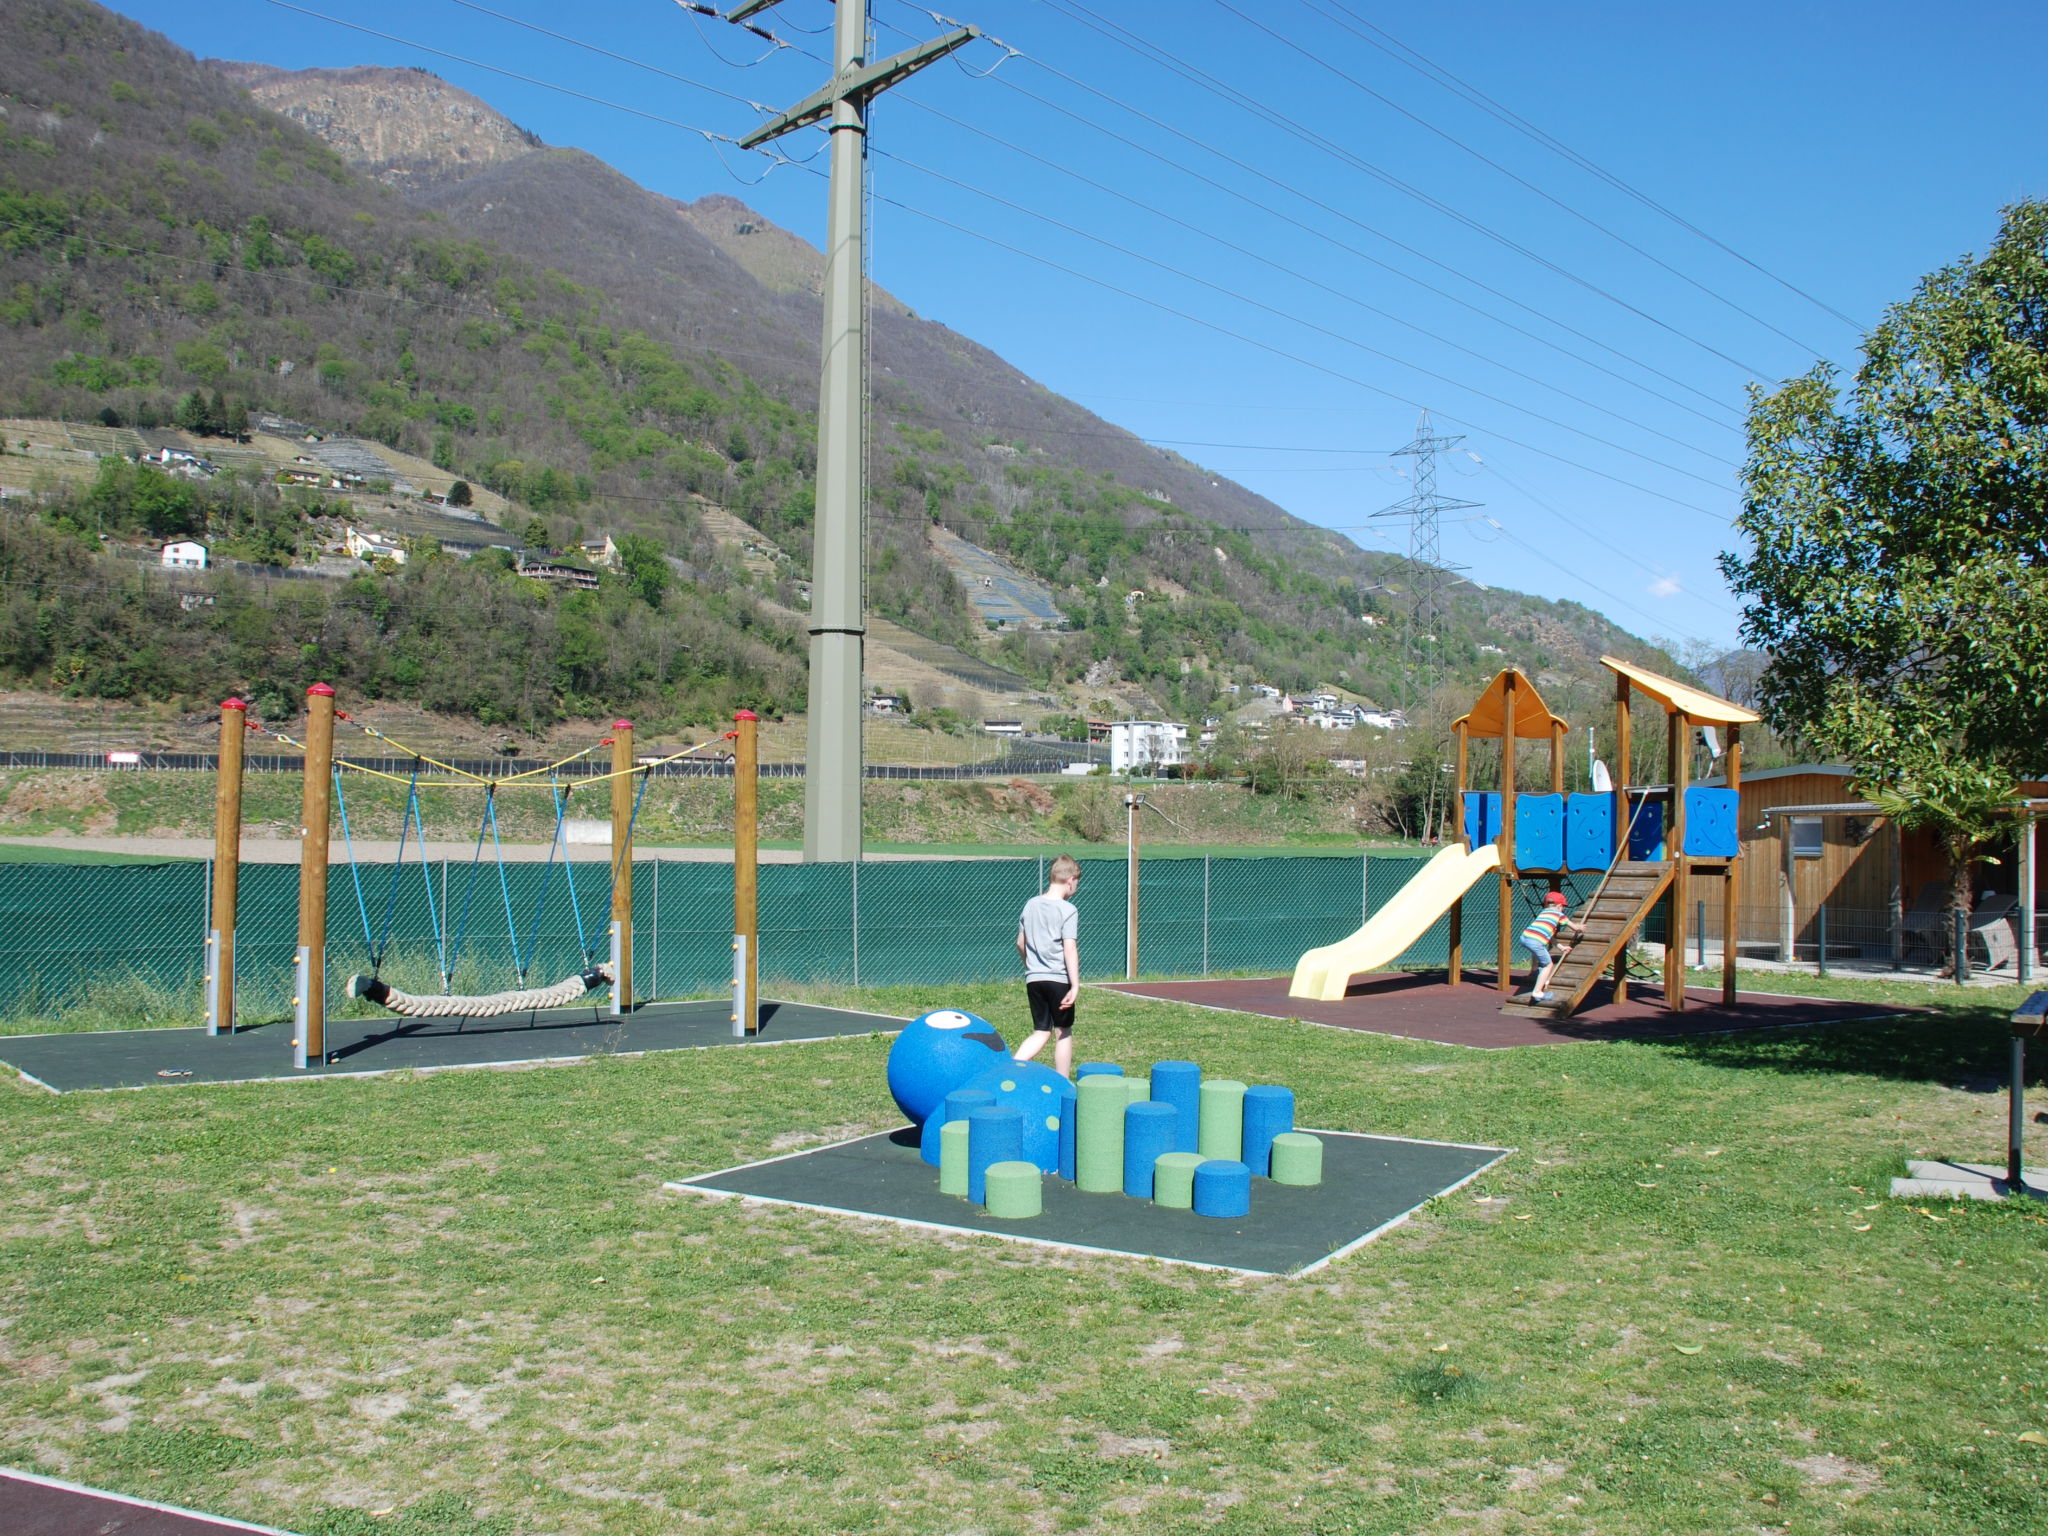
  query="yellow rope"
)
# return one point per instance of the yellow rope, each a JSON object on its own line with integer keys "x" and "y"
{"x": 480, "y": 778}
{"x": 474, "y": 780}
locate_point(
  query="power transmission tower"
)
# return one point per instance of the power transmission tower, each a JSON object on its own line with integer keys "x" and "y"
{"x": 1428, "y": 576}
{"x": 832, "y": 756}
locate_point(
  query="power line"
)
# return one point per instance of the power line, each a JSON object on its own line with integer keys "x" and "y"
{"x": 1335, "y": 292}
{"x": 1181, "y": 166}
{"x": 1430, "y": 70}
{"x": 1222, "y": 330}
{"x": 621, "y": 58}
{"x": 1305, "y": 324}
{"x": 1154, "y": 54}
{"x": 1519, "y": 180}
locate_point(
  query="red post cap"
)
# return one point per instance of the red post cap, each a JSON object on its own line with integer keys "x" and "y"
{"x": 744, "y": 714}
{"x": 322, "y": 689}
{"x": 232, "y": 704}
{"x": 622, "y": 725}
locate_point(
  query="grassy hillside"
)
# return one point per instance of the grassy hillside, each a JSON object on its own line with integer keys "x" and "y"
{"x": 549, "y": 330}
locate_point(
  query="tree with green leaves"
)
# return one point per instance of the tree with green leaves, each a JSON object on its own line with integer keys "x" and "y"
{"x": 1898, "y": 565}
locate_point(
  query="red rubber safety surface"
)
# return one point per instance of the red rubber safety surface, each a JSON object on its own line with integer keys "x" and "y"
{"x": 43, "y": 1506}
{"x": 1423, "y": 1006}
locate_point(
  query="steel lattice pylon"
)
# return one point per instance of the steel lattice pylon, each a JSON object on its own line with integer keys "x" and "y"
{"x": 1429, "y": 577}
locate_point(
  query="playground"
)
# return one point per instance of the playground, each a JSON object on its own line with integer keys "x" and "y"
{"x": 1644, "y": 1279}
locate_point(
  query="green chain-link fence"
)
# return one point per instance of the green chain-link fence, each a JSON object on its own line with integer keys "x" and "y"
{"x": 128, "y": 940}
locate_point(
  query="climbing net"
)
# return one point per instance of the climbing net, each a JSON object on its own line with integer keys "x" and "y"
{"x": 450, "y": 908}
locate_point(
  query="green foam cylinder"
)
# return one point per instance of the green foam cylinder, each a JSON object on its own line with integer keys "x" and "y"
{"x": 1016, "y": 1191}
{"x": 1173, "y": 1180}
{"x": 1222, "y": 1132}
{"x": 1099, "y": 1134}
{"x": 1297, "y": 1159}
{"x": 953, "y": 1158}
{"x": 1139, "y": 1088}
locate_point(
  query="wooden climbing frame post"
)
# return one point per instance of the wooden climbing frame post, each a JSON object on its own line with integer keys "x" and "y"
{"x": 309, "y": 1041}
{"x": 746, "y": 875}
{"x": 1457, "y": 810}
{"x": 1731, "y": 915}
{"x": 622, "y": 867}
{"x": 1504, "y": 974}
{"x": 1622, "y": 747}
{"x": 227, "y": 869}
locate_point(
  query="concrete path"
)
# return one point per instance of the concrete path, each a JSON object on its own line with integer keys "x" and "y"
{"x": 1964, "y": 1181}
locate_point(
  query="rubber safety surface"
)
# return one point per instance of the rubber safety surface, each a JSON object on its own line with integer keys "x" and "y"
{"x": 1421, "y": 1006}
{"x": 137, "y": 1058}
{"x": 1369, "y": 1184}
{"x": 46, "y": 1506}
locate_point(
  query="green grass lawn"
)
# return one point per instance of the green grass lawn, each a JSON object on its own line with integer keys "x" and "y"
{"x": 43, "y": 853}
{"x": 461, "y": 1304}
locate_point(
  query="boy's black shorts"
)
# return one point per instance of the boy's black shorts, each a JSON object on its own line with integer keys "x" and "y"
{"x": 1046, "y": 1012}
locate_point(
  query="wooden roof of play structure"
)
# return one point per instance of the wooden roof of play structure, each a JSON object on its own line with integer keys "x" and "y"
{"x": 1700, "y": 708}
{"x": 1533, "y": 719}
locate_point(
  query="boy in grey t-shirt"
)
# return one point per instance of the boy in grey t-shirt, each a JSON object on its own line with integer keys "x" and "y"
{"x": 1048, "y": 941}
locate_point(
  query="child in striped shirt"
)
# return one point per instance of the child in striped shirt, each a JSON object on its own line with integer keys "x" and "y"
{"x": 1536, "y": 940}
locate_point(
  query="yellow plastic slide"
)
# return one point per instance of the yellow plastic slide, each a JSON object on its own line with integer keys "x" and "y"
{"x": 1324, "y": 973}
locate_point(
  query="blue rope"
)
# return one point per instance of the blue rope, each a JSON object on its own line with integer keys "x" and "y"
{"x": 354, "y": 869}
{"x": 569, "y": 876}
{"x": 624, "y": 854}
{"x": 412, "y": 805}
{"x": 454, "y": 954}
{"x": 525, "y": 962}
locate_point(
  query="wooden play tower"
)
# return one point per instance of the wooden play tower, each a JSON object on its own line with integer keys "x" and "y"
{"x": 1649, "y": 843}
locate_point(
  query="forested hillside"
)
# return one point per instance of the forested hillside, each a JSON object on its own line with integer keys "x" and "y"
{"x": 545, "y": 327}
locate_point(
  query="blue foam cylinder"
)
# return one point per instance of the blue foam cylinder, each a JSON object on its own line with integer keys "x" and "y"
{"x": 1223, "y": 1189}
{"x": 1069, "y": 1116}
{"x": 1268, "y": 1112}
{"x": 1090, "y": 1068}
{"x": 1179, "y": 1083}
{"x": 1148, "y": 1136}
{"x": 953, "y": 1106}
{"x": 995, "y": 1134}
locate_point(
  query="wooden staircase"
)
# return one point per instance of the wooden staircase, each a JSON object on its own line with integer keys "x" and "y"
{"x": 1618, "y": 910}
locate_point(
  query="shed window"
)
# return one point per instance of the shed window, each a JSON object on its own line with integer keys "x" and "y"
{"x": 1807, "y": 839}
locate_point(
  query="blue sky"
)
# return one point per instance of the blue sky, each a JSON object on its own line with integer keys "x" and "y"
{"x": 1374, "y": 243}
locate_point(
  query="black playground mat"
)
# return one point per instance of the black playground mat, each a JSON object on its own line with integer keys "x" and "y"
{"x": 149, "y": 1058}
{"x": 1369, "y": 1184}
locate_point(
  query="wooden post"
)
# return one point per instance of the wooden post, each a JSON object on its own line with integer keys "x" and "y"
{"x": 622, "y": 867}
{"x": 1557, "y": 729}
{"x": 1731, "y": 914}
{"x": 1622, "y": 748}
{"x": 227, "y": 869}
{"x": 1680, "y": 748}
{"x": 1131, "y": 804}
{"x": 746, "y": 875}
{"x": 1456, "y": 973}
{"x": 1504, "y": 981}
{"x": 309, "y": 1047}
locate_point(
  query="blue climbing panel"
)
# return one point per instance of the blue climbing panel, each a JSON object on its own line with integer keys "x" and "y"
{"x": 1711, "y": 831}
{"x": 1588, "y": 831}
{"x": 1646, "y": 829}
{"x": 1539, "y": 831}
{"x": 1482, "y": 818}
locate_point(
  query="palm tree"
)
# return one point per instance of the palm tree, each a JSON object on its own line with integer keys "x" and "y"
{"x": 1967, "y": 806}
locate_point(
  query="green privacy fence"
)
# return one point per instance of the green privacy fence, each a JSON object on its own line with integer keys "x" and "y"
{"x": 130, "y": 938}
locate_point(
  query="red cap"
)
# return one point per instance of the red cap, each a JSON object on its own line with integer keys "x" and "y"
{"x": 232, "y": 704}
{"x": 322, "y": 689}
{"x": 622, "y": 725}
{"x": 1557, "y": 899}
{"x": 744, "y": 714}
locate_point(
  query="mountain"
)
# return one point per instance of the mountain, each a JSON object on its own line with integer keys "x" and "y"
{"x": 375, "y": 251}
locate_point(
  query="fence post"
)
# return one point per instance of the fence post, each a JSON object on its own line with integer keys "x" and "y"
{"x": 1962, "y": 966}
{"x": 1821, "y": 933}
{"x": 856, "y": 921}
{"x": 654, "y": 934}
{"x": 1205, "y": 914}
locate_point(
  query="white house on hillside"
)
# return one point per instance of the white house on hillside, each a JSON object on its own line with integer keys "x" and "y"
{"x": 1136, "y": 746}
{"x": 369, "y": 545}
{"x": 184, "y": 555}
